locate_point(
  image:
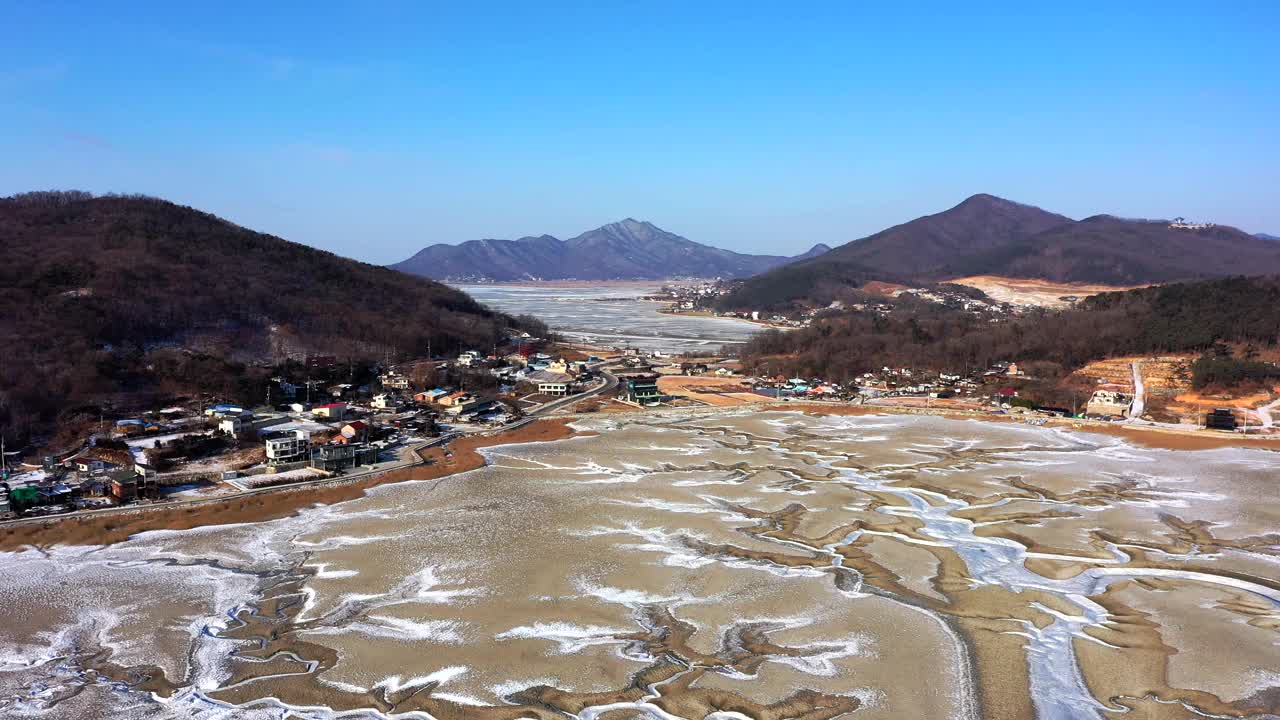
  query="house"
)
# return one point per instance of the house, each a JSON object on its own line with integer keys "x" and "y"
{"x": 131, "y": 426}
{"x": 127, "y": 485}
{"x": 640, "y": 388}
{"x": 333, "y": 411}
{"x": 339, "y": 456}
{"x": 393, "y": 380}
{"x": 432, "y": 395}
{"x": 456, "y": 398}
{"x": 358, "y": 431}
{"x": 1221, "y": 419}
{"x": 1006, "y": 394}
{"x": 385, "y": 401}
{"x": 23, "y": 497}
{"x": 284, "y": 446}
{"x": 689, "y": 368}
{"x": 469, "y": 358}
{"x": 224, "y": 410}
{"x": 95, "y": 487}
{"x": 468, "y": 404}
{"x": 1013, "y": 369}
{"x": 1108, "y": 403}
{"x": 551, "y": 383}
{"x": 232, "y": 425}
{"x": 91, "y": 465}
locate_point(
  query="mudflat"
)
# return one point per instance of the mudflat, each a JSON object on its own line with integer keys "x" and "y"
{"x": 756, "y": 562}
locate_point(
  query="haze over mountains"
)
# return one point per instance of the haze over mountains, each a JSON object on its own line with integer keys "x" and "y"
{"x": 625, "y": 250}
{"x": 987, "y": 235}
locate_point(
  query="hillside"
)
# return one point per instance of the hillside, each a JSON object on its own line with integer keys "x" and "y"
{"x": 1175, "y": 318}
{"x": 1105, "y": 249}
{"x": 626, "y": 250}
{"x": 986, "y": 235}
{"x": 94, "y": 291}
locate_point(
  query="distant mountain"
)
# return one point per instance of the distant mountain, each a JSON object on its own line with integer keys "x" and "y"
{"x": 1265, "y": 236}
{"x": 1114, "y": 251}
{"x": 920, "y": 248}
{"x": 626, "y": 250}
{"x": 815, "y": 251}
{"x": 106, "y": 298}
{"x": 987, "y": 235}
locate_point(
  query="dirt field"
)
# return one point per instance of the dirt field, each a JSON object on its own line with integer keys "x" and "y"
{"x": 1040, "y": 293}
{"x": 715, "y": 391}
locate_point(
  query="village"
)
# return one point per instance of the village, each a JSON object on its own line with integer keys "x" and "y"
{"x": 325, "y": 428}
{"x": 878, "y": 298}
{"x": 319, "y": 429}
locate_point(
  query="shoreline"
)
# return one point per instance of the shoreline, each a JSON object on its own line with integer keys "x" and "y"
{"x": 462, "y": 455}
{"x": 706, "y": 314}
{"x": 107, "y": 528}
{"x": 1157, "y": 438}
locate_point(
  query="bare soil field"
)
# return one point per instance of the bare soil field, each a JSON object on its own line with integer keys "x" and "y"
{"x": 1040, "y": 293}
{"x": 716, "y": 391}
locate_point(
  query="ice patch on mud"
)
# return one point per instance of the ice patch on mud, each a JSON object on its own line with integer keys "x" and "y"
{"x": 445, "y": 632}
{"x": 569, "y": 638}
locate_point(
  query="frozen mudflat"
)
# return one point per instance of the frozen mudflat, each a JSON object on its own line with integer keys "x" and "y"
{"x": 694, "y": 565}
{"x": 613, "y": 315}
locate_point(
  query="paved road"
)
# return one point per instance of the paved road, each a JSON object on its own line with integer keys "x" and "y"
{"x": 610, "y": 382}
{"x": 1139, "y": 394}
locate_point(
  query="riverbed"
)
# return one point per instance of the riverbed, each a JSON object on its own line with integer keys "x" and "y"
{"x": 693, "y": 564}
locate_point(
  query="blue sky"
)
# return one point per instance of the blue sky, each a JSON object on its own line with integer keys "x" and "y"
{"x": 374, "y": 129}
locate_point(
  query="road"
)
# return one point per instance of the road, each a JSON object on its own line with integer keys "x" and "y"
{"x": 1264, "y": 413}
{"x": 610, "y": 382}
{"x": 1139, "y": 394}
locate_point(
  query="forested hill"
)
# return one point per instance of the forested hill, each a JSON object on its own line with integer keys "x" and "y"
{"x": 987, "y": 235}
{"x": 91, "y": 286}
{"x": 1176, "y": 318}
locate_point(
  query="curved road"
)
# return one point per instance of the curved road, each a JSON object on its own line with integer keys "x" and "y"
{"x": 610, "y": 382}
{"x": 1139, "y": 394}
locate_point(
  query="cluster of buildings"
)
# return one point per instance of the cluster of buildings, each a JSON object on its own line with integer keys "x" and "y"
{"x": 83, "y": 481}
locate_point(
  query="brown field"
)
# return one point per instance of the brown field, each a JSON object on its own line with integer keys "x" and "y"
{"x": 883, "y": 289}
{"x": 1041, "y": 293}
{"x": 716, "y": 391}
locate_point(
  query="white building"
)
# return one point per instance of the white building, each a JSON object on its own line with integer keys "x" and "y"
{"x": 551, "y": 383}
{"x": 287, "y": 446}
{"x": 394, "y": 381}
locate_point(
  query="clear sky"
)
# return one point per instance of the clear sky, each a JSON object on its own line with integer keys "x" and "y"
{"x": 374, "y": 129}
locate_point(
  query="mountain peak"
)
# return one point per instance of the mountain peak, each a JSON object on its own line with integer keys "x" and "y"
{"x": 630, "y": 225}
{"x": 986, "y": 201}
